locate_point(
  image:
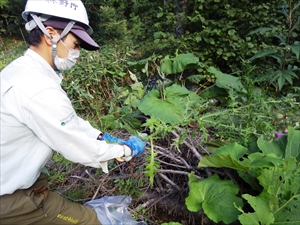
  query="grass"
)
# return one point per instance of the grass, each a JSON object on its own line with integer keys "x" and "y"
{"x": 10, "y": 49}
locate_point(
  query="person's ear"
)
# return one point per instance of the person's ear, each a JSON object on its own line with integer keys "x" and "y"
{"x": 53, "y": 33}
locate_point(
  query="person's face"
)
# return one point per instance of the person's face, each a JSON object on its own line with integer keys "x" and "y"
{"x": 70, "y": 41}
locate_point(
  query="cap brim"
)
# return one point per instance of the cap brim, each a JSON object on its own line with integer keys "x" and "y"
{"x": 86, "y": 41}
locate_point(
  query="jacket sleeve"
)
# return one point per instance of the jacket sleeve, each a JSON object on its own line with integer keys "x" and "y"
{"x": 91, "y": 131}
{"x": 52, "y": 118}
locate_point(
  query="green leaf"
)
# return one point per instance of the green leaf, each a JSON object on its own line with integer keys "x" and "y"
{"x": 235, "y": 150}
{"x": 293, "y": 145}
{"x": 183, "y": 60}
{"x": 167, "y": 65}
{"x": 295, "y": 48}
{"x": 262, "y": 214}
{"x": 195, "y": 78}
{"x": 131, "y": 121}
{"x": 280, "y": 79}
{"x": 258, "y": 159}
{"x": 289, "y": 215}
{"x": 261, "y": 30}
{"x": 216, "y": 197}
{"x": 163, "y": 110}
{"x": 279, "y": 185}
{"x": 250, "y": 177}
{"x": 231, "y": 32}
{"x": 214, "y": 92}
{"x": 109, "y": 122}
{"x": 152, "y": 166}
{"x": 282, "y": 143}
{"x": 45, "y": 171}
{"x": 288, "y": 75}
{"x": 178, "y": 64}
{"x": 270, "y": 147}
{"x": 222, "y": 160}
{"x": 227, "y": 81}
{"x": 178, "y": 101}
{"x": 159, "y": 15}
{"x": 228, "y": 156}
{"x": 263, "y": 53}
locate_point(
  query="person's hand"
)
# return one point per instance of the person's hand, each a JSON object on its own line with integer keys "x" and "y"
{"x": 109, "y": 138}
{"x": 134, "y": 146}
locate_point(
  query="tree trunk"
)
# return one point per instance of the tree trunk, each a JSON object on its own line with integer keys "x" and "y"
{"x": 181, "y": 6}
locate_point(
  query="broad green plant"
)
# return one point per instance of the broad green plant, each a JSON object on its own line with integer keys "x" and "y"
{"x": 280, "y": 63}
{"x": 272, "y": 170}
{"x": 243, "y": 106}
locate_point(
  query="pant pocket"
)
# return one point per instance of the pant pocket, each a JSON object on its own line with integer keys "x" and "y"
{"x": 21, "y": 202}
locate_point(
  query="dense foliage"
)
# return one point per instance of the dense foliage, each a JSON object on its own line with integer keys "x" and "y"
{"x": 202, "y": 78}
{"x": 220, "y": 33}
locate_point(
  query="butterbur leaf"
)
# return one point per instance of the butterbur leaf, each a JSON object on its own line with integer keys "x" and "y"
{"x": 216, "y": 197}
{"x": 248, "y": 177}
{"x": 182, "y": 61}
{"x": 281, "y": 184}
{"x": 195, "y": 78}
{"x": 222, "y": 160}
{"x": 178, "y": 101}
{"x": 176, "y": 91}
{"x": 235, "y": 150}
{"x": 258, "y": 159}
{"x": 289, "y": 215}
{"x": 178, "y": 64}
{"x": 227, "y": 81}
{"x": 262, "y": 214}
{"x": 167, "y": 65}
{"x": 270, "y": 147}
{"x": 165, "y": 111}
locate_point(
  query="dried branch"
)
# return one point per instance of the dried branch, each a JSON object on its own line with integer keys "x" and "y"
{"x": 170, "y": 155}
{"x": 194, "y": 150}
{"x": 170, "y": 164}
{"x": 169, "y": 181}
{"x": 178, "y": 172}
{"x": 88, "y": 173}
{"x": 81, "y": 178}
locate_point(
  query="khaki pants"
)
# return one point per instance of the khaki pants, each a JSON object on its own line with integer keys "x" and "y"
{"x": 38, "y": 206}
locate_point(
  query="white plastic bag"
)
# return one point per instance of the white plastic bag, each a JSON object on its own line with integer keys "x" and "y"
{"x": 112, "y": 210}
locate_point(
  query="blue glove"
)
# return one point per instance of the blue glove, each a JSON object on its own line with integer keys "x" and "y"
{"x": 136, "y": 145}
{"x": 109, "y": 138}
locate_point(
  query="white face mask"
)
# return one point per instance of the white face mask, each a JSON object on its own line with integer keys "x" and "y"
{"x": 68, "y": 63}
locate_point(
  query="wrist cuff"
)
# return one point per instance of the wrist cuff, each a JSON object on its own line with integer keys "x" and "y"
{"x": 100, "y": 136}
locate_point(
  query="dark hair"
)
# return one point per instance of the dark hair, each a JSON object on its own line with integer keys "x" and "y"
{"x": 35, "y": 37}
